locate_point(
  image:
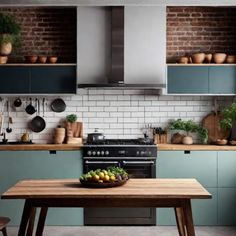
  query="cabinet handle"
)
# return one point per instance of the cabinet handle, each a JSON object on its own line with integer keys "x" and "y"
{"x": 187, "y": 151}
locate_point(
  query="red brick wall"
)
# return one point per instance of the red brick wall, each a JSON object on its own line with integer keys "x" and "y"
{"x": 200, "y": 29}
{"x": 45, "y": 31}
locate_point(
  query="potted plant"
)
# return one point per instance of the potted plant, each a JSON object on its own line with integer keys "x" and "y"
{"x": 228, "y": 117}
{"x": 189, "y": 126}
{"x": 9, "y": 33}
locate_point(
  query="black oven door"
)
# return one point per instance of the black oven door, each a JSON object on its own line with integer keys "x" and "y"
{"x": 122, "y": 216}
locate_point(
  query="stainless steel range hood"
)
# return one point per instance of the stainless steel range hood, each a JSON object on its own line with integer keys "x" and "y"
{"x": 117, "y": 70}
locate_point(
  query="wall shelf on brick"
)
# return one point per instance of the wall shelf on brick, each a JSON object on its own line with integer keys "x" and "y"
{"x": 208, "y": 64}
{"x": 201, "y": 79}
{"x": 39, "y": 64}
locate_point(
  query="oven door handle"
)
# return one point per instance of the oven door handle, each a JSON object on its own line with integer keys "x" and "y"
{"x": 138, "y": 162}
{"x": 101, "y": 162}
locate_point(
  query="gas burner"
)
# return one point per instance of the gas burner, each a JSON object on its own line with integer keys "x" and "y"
{"x": 123, "y": 142}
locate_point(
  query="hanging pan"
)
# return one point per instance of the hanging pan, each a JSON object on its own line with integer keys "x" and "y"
{"x": 58, "y": 105}
{"x": 38, "y": 124}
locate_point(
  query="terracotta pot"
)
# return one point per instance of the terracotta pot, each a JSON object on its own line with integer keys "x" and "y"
{"x": 187, "y": 140}
{"x": 31, "y": 59}
{"x": 208, "y": 58}
{"x": 198, "y": 58}
{"x": 219, "y": 58}
{"x": 231, "y": 59}
{"x": 3, "y": 59}
{"x": 5, "y": 49}
{"x": 52, "y": 59}
{"x": 183, "y": 60}
{"x": 42, "y": 59}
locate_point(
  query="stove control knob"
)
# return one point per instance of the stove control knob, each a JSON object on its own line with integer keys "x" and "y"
{"x": 106, "y": 153}
{"x": 98, "y": 153}
{"x": 89, "y": 153}
{"x": 142, "y": 153}
{"x": 94, "y": 153}
{"x": 102, "y": 153}
{"x": 137, "y": 153}
{"x": 150, "y": 153}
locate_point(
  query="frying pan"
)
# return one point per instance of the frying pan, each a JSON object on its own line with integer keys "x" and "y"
{"x": 58, "y": 105}
{"x": 37, "y": 124}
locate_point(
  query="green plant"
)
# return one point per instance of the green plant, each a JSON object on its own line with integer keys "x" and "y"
{"x": 71, "y": 118}
{"x": 9, "y": 29}
{"x": 229, "y": 116}
{"x": 190, "y": 126}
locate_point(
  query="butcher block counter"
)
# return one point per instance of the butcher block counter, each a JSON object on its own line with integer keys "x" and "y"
{"x": 194, "y": 147}
{"x": 40, "y": 147}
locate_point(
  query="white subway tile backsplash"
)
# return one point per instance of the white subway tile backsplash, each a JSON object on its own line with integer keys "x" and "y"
{"x": 118, "y": 113}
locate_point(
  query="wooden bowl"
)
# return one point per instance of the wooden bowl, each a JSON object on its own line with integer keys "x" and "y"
{"x": 31, "y": 59}
{"x": 198, "y": 58}
{"x": 42, "y": 59}
{"x": 221, "y": 141}
{"x": 231, "y": 59}
{"x": 3, "y": 59}
{"x": 208, "y": 58}
{"x": 52, "y": 59}
{"x": 219, "y": 58}
{"x": 183, "y": 60}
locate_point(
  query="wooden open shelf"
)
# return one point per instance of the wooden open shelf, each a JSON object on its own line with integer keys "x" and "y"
{"x": 202, "y": 64}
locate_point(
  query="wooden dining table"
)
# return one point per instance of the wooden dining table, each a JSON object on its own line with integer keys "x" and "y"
{"x": 45, "y": 193}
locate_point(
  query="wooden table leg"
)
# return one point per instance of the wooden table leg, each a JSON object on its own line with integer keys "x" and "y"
{"x": 180, "y": 221}
{"x": 188, "y": 217}
{"x": 41, "y": 222}
{"x": 25, "y": 218}
{"x": 30, "y": 227}
{"x": 4, "y": 231}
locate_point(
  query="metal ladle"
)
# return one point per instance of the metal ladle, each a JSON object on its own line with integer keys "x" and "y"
{"x": 8, "y": 129}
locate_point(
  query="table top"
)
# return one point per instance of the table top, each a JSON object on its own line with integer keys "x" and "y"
{"x": 134, "y": 188}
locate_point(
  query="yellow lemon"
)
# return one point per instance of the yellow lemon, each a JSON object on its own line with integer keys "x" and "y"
{"x": 106, "y": 178}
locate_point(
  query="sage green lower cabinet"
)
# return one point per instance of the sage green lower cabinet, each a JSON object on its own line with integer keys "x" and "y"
{"x": 201, "y": 165}
{"x": 18, "y": 165}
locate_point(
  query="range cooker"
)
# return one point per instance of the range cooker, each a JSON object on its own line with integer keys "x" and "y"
{"x": 138, "y": 158}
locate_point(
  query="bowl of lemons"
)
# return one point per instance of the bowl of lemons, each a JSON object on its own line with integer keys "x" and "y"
{"x": 104, "y": 178}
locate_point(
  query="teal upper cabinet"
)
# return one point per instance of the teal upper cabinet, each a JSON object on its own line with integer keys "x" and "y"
{"x": 201, "y": 79}
{"x": 222, "y": 79}
{"x": 187, "y": 79}
{"x": 38, "y": 79}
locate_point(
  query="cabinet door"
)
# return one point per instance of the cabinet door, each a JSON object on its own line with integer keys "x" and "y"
{"x": 18, "y": 165}
{"x": 226, "y": 169}
{"x": 14, "y": 80}
{"x": 222, "y": 79}
{"x": 145, "y": 40}
{"x": 53, "y": 79}
{"x": 201, "y": 165}
{"x": 204, "y": 211}
{"x": 226, "y": 206}
{"x": 187, "y": 79}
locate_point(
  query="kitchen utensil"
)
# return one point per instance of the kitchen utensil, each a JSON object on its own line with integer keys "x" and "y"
{"x": 30, "y": 108}
{"x": 212, "y": 123}
{"x": 2, "y": 115}
{"x": 198, "y": 58}
{"x": 95, "y": 137}
{"x": 38, "y": 124}
{"x": 8, "y": 129}
{"x": 58, "y": 105}
{"x": 219, "y": 58}
{"x": 17, "y": 102}
{"x": 59, "y": 135}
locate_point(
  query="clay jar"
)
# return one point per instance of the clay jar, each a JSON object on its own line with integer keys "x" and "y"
{"x": 183, "y": 60}
{"x": 187, "y": 140}
{"x": 198, "y": 58}
{"x": 59, "y": 135}
{"x": 208, "y": 58}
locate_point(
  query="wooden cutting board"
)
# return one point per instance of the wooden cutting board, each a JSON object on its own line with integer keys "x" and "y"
{"x": 212, "y": 123}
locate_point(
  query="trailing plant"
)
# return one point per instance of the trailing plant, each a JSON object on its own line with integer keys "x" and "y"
{"x": 71, "y": 118}
{"x": 9, "y": 29}
{"x": 229, "y": 117}
{"x": 190, "y": 126}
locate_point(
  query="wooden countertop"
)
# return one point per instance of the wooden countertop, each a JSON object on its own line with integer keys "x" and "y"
{"x": 40, "y": 147}
{"x": 194, "y": 147}
{"x": 134, "y": 188}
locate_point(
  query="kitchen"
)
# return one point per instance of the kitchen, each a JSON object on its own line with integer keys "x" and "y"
{"x": 120, "y": 113}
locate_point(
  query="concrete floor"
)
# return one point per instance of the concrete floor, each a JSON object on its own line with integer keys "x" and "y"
{"x": 128, "y": 231}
